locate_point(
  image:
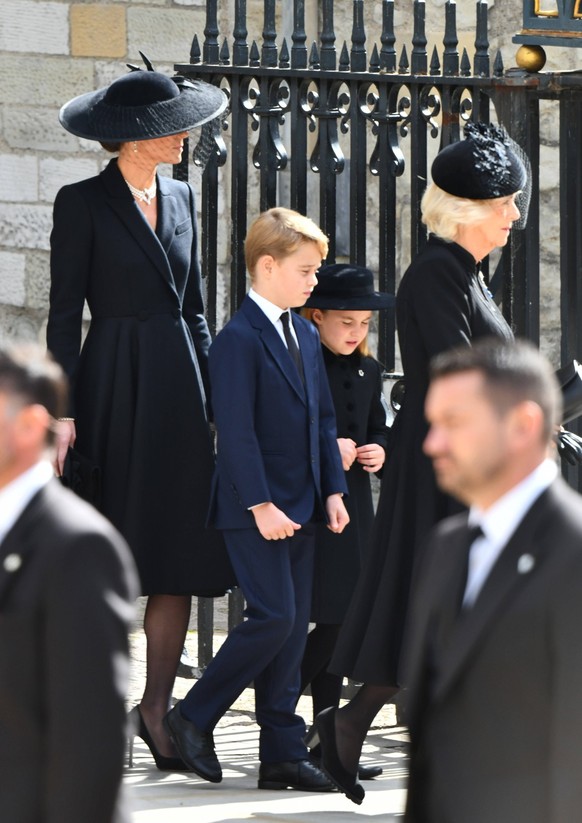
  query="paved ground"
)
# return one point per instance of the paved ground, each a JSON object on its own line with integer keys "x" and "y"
{"x": 159, "y": 797}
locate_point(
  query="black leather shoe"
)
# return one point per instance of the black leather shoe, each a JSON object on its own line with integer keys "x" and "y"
{"x": 322, "y": 732}
{"x": 293, "y": 774}
{"x": 196, "y": 748}
{"x": 364, "y": 772}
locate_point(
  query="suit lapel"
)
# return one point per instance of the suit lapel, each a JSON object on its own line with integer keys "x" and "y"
{"x": 274, "y": 346}
{"x": 17, "y": 546}
{"x": 519, "y": 560}
{"x": 151, "y": 243}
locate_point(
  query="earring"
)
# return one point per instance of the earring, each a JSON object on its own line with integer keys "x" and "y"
{"x": 134, "y": 147}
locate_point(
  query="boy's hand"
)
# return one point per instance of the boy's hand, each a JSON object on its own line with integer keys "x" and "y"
{"x": 272, "y": 523}
{"x": 348, "y": 451}
{"x": 371, "y": 457}
{"x": 336, "y": 513}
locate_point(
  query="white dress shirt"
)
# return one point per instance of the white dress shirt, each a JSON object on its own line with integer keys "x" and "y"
{"x": 273, "y": 313}
{"x": 16, "y": 496}
{"x": 498, "y": 524}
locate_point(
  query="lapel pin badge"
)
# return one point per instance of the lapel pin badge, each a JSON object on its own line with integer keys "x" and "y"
{"x": 361, "y": 372}
{"x": 12, "y": 562}
{"x": 525, "y": 563}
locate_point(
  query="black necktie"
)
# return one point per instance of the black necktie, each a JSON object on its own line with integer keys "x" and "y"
{"x": 292, "y": 346}
{"x": 473, "y": 532}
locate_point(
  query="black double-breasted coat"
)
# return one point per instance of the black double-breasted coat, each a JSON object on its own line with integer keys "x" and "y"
{"x": 139, "y": 383}
{"x": 441, "y": 303}
{"x": 356, "y": 387}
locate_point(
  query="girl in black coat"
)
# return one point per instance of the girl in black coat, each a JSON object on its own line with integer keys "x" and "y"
{"x": 125, "y": 242}
{"x": 442, "y": 301}
{"x": 341, "y": 307}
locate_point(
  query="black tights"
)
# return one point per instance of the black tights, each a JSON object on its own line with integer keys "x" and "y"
{"x": 353, "y": 721}
{"x": 325, "y": 687}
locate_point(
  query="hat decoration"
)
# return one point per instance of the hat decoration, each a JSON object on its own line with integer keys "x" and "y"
{"x": 486, "y": 165}
{"x": 349, "y": 287}
{"x": 142, "y": 105}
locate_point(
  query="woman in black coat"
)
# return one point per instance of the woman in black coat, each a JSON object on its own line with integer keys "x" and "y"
{"x": 341, "y": 307}
{"x": 442, "y": 301}
{"x": 126, "y": 243}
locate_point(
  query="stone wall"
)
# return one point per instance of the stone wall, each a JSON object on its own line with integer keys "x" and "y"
{"x": 52, "y": 50}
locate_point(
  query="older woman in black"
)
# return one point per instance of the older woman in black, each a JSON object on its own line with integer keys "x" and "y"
{"x": 126, "y": 243}
{"x": 442, "y": 301}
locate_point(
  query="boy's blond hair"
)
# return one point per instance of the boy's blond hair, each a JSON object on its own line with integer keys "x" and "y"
{"x": 279, "y": 232}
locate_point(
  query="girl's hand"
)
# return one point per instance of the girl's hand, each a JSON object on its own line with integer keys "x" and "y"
{"x": 371, "y": 457}
{"x": 348, "y": 451}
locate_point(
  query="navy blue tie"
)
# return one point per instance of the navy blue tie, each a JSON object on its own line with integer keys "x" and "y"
{"x": 292, "y": 346}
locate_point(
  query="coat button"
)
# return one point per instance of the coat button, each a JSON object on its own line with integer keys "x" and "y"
{"x": 177, "y": 313}
{"x": 350, "y": 406}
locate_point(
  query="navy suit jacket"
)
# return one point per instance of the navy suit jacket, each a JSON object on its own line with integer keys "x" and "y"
{"x": 277, "y": 438}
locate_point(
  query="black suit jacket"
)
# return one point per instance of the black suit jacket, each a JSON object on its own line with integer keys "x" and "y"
{"x": 494, "y": 694}
{"x": 66, "y": 585}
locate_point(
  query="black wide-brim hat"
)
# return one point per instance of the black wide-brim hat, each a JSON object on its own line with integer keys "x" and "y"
{"x": 345, "y": 286}
{"x": 142, "y": 105}
{"x": 485, "y": 165}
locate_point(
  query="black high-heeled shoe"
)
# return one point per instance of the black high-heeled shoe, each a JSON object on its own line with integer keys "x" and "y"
{"x": 323, "y": 732}
{"x": 137, "y": 728}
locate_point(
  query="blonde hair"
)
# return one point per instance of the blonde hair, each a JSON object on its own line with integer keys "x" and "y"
{"x": 362, "y": 347}
{"x": 279, "y": 232}
{"x": 444, "y": 214}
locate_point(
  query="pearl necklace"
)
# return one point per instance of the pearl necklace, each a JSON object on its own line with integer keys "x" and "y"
{"x": 143, "y": 195}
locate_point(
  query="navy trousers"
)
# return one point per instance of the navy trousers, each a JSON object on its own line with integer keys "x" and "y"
{"x": 267, "y": 647}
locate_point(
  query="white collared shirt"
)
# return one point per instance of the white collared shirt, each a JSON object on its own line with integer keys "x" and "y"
{"x": 498, "y": 524}
{"x": 16, "y": 496}
{"x": 273, "y": 313}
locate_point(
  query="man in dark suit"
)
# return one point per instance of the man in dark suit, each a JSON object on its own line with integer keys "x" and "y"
{"x": 66, "y": 585}
{"x": 494, "y": 659}
{"x": 278, "y": 470}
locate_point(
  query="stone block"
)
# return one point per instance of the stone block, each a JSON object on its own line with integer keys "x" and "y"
{"x": 37, "y": 27}
{"x": 12, "y": 280}
{"x": 98, "y": 30}
{"x": 25, "y": 227}
{"x": 57, "y": 173}
{"x": 36, "y": 129}
{"x": 37, "y": 275}
{"x": 164, "y": 34}
{"x": 49, "y": 80}
{"x": 19, "y": 177}
{"x": 17, "y": 324}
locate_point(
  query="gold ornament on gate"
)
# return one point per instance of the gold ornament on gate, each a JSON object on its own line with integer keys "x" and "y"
{"x": 531, "y": 58}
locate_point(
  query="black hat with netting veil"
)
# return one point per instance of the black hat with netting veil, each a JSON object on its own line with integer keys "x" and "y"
{"x": 142, "y": 105}
{"x": 485, "y": 165}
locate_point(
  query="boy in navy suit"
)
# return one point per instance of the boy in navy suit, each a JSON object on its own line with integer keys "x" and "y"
{"x": 278, "y": 471}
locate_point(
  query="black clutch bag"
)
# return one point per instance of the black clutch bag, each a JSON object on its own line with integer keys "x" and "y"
{"x": 82, "y": 476}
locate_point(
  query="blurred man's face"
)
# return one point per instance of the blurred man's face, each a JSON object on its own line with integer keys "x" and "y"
{"x": 8, "y": 416}
{"x": 469, "y": 442}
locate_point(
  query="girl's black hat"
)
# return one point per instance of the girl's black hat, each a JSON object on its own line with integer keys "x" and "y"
{"x": 346, "y": 286}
